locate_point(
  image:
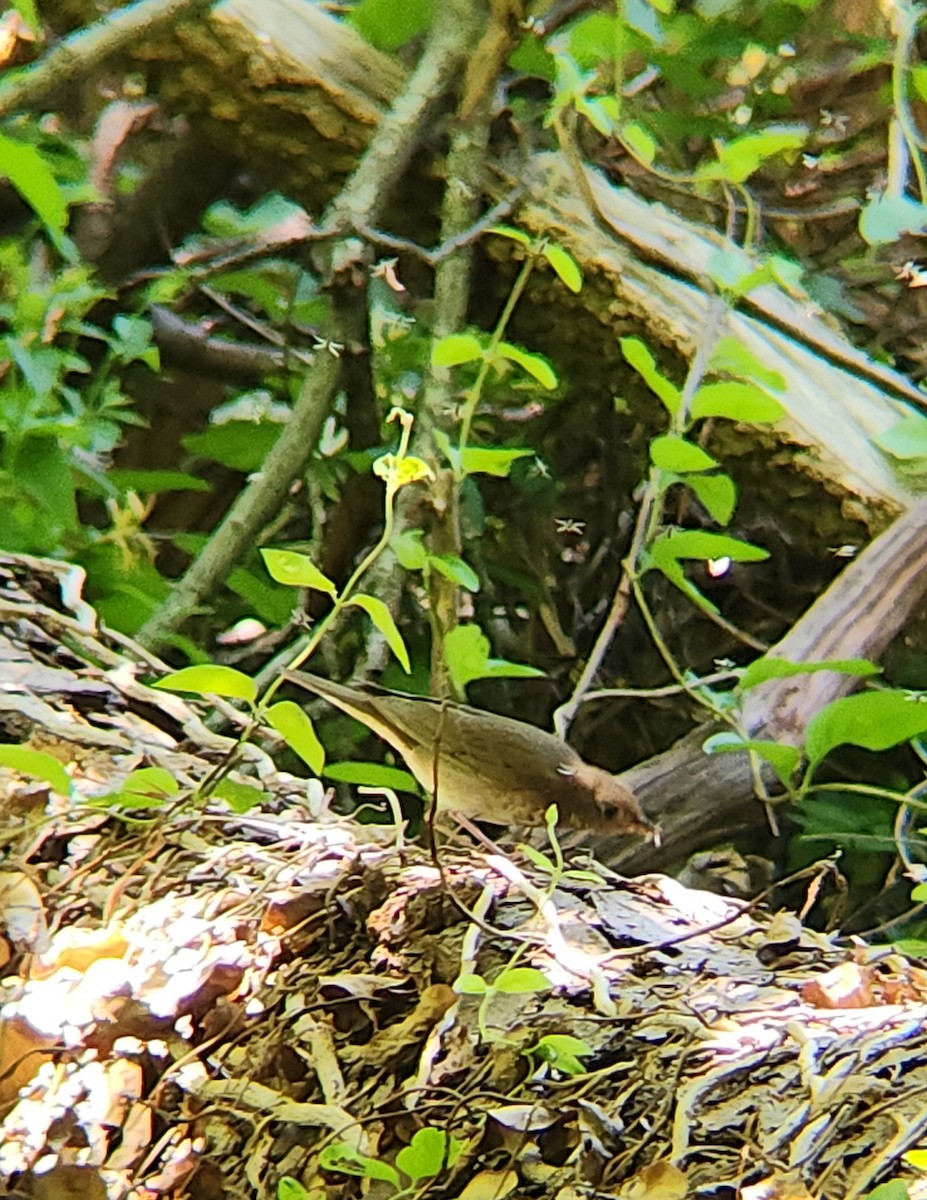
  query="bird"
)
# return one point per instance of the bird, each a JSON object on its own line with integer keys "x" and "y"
{"x": 487, "y": 767}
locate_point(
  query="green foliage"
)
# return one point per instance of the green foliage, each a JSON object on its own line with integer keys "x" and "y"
{"x": 388, "y": 25}
{"x": 382, "y": 618}
{"x": 896, "y": 1190}
{"x": 761, "y": 670}
{"x": 289, "y": 1188}
{"x": 561, "y": 1051}
{"x": 148, "y": 787}
{"x": 370, "y": 774}
{"x": 211, "y": 681}
{"x": 291, "y": 722}
{"x": 906, "y": 443}
{"x": 60, "y": 410}
{"x": 512, "y": 980}
{"x": 37, "y": 765}
{"x": 886, "y": 218}
{"x": 430, "y": 1152}
{"x": 296, "y": 570}
{"x": 743, "y": 156}
{"x": 677, "y": 458}
{"x": 875, "y": 720}
{"x": 467, "y": 653}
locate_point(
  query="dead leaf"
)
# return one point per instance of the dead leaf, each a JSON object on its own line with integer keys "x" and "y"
{"x": 22, "y": 912}
{"x": 847, "y": 985}
{"x": 490, "y": 1185}
{"x": 657, "y": 1181}
{"x": 20, "y": 1057}
{"x": 777, "y": 1187}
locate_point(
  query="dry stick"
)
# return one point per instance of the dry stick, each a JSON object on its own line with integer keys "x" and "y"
{"x": 82, "y": 52}
{"x": 360, "y": 201}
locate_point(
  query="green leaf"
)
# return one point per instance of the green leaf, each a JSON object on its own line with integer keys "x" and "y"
{"x": 531, "y": 58}
{"x": 143, "y": 789}
{"x": 735, "y": 272}
{"x": 455, "y": 569}
{"x": 240, "y": 797}
{"x": 769, "y": 667}
{"x": 732, "y": 357}
{"x": 41, "y": 479}
{"x": 383, "y": 620}
{"x": 640, "y": 142}
{"x": 375, "y": 775}
{"x": 36, "y": 764}
{"x": 672, "y": 453}
{"x": 592, "y": 40}
{"x": 643, "y": 362}
{"x": 150, "y": 483}
{"x": 718, "y": 493}
{"x": 566, "y": 267}
{"x": 425, "y": 1156}
{"x": 226, "y": 221}
{"x": 905, "y": 440}
{"x": 697, "y": 544}
{"x": 735, "y": 401}
{"x": 918, "y": 77}
{"x": 885, "y": 218}
{"x": 895, "y": 1189}
{"x": 296, "y": 570}
{"x": 491, "y": 460}
{"x": 665, "y": 553}
{"x": 783, "y": 759}
{"x": 388, "y": 24}
{"x": 211, "y": 681}
{"x": 601, "y": 111}
{"x": 456, "y": 348}
{"x": 409, "y": 550}
{"x": 289, "y": 1188}
{"x": 296, "y": 729}
{"x": 239, "y": 445}
{"x": 741, "y": 157}
{"x": 133, "y": 341}
{"x": 270, "y": 602}
{"x": 533, "y": 364}
{"x": 563, "y": 1052}
{"x": 539, "y": 859}
{"x": 154, "y": 783}
{"x": 467, "y": 649}
{"x": 564, "y": 1043}
{"x": 471, "y": 985}
{"x": 873, "y": 720}
{"x": 338, "y": 1156}
{"x": 26, "y": 169}
{"x": 516, "y": 981}
{"x": 514, "y": 235}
